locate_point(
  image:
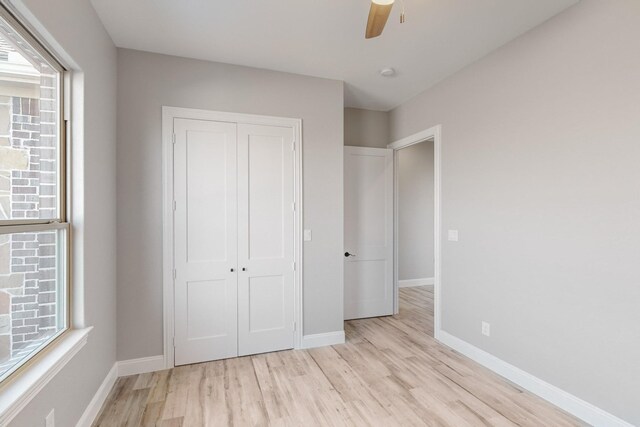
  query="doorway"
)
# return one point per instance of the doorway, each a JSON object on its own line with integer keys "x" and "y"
{"x": 372, "y": 275}
{"x": 417, "y": 236}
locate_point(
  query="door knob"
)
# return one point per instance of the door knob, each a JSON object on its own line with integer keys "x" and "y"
{"x": 244, "y": 269}
{"x": 347, "y": 254}
{"x": 232, "y": 270}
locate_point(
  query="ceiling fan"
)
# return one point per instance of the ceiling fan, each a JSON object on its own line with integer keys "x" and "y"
{"x": 378, "y": 15}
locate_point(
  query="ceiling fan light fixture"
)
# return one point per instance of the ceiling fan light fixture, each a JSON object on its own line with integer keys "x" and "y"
{"x": 378, "y": 15}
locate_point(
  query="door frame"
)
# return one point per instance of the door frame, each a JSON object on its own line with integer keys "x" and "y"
{"x": 434, "y": 133}
{"x": 168, "y": 116}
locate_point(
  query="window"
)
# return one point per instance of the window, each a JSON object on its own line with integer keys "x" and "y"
{"x": 34, "y": 232}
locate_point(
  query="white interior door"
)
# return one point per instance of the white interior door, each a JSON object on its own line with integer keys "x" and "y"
{"x": 266, "y": 238}
{"x": 205, "y": 224}
{"x": 368, "y": 232}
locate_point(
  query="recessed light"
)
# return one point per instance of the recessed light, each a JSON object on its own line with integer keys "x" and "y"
{"x": 388, "y": 72}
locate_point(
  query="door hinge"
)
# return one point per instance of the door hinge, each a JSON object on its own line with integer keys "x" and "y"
{"x": 175, "y": 205}
{"x": 293, "y": 206}
{"x": 293, "y": 146}
{"x": 175, "y": 274}
{"x": 174, "y": 342}
{"x": 293, "y": 265}
{"x": 173, "y": 138}
{"x": 294, "y": 326}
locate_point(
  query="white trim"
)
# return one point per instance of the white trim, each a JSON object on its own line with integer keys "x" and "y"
{"x": 21, "y": 390}
{"x": 123, "y": 368}
{"x": 434, "y": 133}
{"x": 416, "y": 138}
{"x": 168, "y": 115}
{"x": 323, "y": 340}
{"x": 140, "y": 366}
{"x": 560, "y": 398}
{"x": 167, "y": 235}
{"x": 298, "y": 248}
{"x": 412, "y": 283}
{"x": 90, "y": 414}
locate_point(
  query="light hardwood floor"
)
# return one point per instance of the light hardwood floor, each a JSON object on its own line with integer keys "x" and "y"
{"x": 391, "y": 372}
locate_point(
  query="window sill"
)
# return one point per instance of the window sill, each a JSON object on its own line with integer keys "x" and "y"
{"x": 21, "y": 390}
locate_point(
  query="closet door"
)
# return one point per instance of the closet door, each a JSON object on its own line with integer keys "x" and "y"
{"x": 265, "y": 238}
{"x": 205, "y": 167}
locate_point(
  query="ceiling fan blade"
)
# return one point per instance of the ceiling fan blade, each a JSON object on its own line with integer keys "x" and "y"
{"x": 378, "y": 15}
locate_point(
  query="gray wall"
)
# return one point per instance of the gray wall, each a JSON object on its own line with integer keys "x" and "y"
{"x": 73, "y": 28}
{"x": 148, "y": 81}
{"x": 366, "y": 128}
{"x": 415, "y": 211}
{"x": 540, "y": 175}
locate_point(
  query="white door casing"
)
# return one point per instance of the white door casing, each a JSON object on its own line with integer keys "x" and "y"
{"x": 205, "y": 240}
{"x": 368, "y": 231}
{"x": 266, "y": 238}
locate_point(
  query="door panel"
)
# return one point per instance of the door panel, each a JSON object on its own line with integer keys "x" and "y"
{"x": 266, "y": 193}
{"x": 266, "y": 238}
{"x": 266, "y": 297}
{"x": 206, "y": 198}
{"x": 205, "y": 224}
{"x": 368, "y": 232}
{"x": 206, "y": 309}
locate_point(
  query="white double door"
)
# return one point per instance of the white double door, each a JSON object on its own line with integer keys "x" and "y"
{"x": 234, "y": 239}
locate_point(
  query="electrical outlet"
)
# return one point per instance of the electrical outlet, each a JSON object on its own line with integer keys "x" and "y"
{"x": 486, "y": 329}
{"x": 50, "y": 420}
{"x": 307, "y": 235}
{"x": 453, "y": 235}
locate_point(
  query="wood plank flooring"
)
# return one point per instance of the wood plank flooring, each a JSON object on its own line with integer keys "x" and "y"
{"x": 390, "y": 372}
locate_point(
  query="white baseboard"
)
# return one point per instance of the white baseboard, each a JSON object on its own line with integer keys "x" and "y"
{"x": 140, "y": 366}
{"x": 411, "y": 283}
{"x": 143, "y": 365}
{"x": 122, "y": 368}
{"x": 322, "y": 340}
{"x": 560, "y": 398}
{"x": 90, "y": 414}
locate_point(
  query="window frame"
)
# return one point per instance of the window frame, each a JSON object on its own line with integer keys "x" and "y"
{"x": 62, "y": 222}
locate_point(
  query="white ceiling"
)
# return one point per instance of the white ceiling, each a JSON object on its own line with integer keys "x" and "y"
{"x": 325, "y": 38}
